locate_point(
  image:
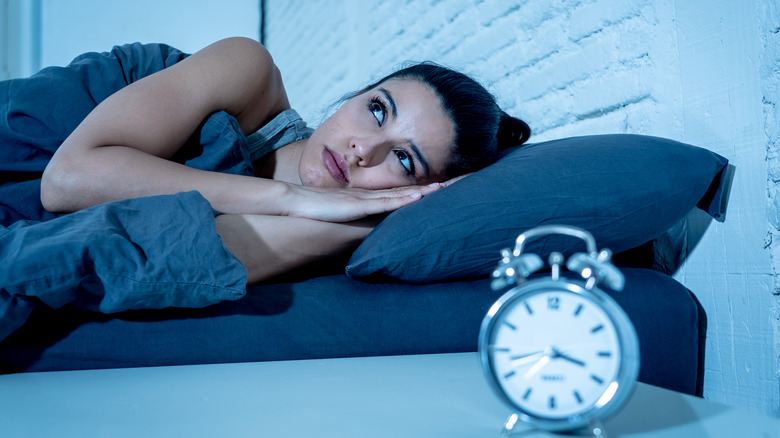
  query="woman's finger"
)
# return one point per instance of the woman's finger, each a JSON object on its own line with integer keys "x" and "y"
{"x": 452, "y": 181}
{"x": 343, "y": 205}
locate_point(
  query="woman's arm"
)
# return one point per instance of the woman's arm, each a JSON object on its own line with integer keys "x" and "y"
{"x": 271, "y": 245}
{"x": 121, "y": 148}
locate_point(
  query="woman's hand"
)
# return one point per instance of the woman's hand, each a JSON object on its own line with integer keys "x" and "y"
{"x": 345, "y": 205}
{"x": 349, "y": 204}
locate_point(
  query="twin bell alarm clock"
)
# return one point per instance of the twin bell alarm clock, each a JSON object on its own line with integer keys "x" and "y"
{"x": 559, "y": 352}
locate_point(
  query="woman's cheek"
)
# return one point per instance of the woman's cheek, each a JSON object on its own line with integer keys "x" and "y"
{"x": 379, "y": 180}
{"x": 311, "y": 174}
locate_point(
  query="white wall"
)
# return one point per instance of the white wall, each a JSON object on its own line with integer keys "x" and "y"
{"x": 53, "y": 32}
{"x": 703, "y": 72}
{"x": 19, "y": 38}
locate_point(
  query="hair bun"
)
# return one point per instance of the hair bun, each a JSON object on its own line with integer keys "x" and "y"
{"x": 512, "y": 131}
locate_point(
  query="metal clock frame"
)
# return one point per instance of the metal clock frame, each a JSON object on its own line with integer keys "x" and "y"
{"x": 628, "y": 367}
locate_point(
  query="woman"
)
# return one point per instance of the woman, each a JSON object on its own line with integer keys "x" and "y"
{"x": 317, "y": 195}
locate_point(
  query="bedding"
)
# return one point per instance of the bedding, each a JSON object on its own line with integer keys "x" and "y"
{"x": 335, "y": 316}
{"x": 105, "y": 259}
{"x": 42, "y": 110}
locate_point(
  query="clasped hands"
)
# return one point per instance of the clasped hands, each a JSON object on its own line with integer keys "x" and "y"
{"x": 350, "y": 204}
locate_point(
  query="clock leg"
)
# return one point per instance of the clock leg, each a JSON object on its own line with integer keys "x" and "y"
{"x": 515, "y": 428}
{"x": 594, "y": 429}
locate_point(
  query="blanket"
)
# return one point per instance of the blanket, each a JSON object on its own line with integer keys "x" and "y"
{"x": 145, "y": 253}
{"x": 40, "y": 112}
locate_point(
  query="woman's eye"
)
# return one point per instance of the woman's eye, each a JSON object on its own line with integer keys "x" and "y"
{"x": 406, "y": 161}
{"x": 377, "y": 108}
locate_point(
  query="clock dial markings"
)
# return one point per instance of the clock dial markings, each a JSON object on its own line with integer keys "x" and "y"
{"x": 527, "y": 393}
{"x": 528, "y": 308}
{"x": 499, "y": 349}
{"x": 509, "y": 374}
{"x": 578, "y": 310}
{"x": 597, "y": 379}
{"x": 510, "y": 325}
{"x": 578, "y": 397}
{"x": 597, "y": 329}
{"x": 551, "y": 402}
{"x": 604, "y": 354}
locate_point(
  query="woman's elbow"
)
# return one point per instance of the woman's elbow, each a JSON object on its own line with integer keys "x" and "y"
{"x": 57, "y": 185}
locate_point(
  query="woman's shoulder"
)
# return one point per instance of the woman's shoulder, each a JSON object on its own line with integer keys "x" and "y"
{"x": 241, "y": 52}
{"x": 247, "y": 48}
{"x": 242, "y": 79}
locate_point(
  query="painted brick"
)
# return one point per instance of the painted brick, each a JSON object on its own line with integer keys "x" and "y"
{"x": 584, "y": 60}
{"x": 592, "y": 17}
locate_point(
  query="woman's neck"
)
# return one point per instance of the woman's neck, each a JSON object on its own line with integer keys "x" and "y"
{"x": 282, "y": 164}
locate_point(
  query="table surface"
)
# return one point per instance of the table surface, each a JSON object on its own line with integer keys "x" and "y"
{"x": 442, "y": 395}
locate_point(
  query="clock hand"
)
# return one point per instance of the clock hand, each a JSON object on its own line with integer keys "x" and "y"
{"x": 537, "y": 367}
{"x": 557, "y": 354}
{"x": 521, "y": 356}
{"x": 521, "y": 359}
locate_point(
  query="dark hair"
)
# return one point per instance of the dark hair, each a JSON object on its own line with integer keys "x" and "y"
{"x": 482, "y": 129}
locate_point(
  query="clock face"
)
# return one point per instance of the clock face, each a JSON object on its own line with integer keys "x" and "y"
{"x": 554, "y": 353}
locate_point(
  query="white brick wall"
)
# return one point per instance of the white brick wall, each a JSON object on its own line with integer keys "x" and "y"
{"x": 700, "y": 72}
{"x": 769, "y": 18}
{"x": 553, "y": 65}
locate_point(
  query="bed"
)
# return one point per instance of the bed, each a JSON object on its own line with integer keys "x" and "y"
{"x": 419, "y": 282}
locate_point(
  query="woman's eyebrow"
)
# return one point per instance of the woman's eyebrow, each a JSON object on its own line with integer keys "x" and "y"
{"x": 412, "y": 146}
{"x": 390, "y": 100}
{"x": 420, "y": 159}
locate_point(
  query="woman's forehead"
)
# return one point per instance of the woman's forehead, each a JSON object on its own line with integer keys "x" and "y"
{"x": 416, "y": 103}
{"x": 420, "y": 115}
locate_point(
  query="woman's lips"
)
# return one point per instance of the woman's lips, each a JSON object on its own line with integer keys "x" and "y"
{"x": 336, "y": 164}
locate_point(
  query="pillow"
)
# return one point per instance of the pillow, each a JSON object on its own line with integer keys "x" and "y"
{"x": 625, "y": 189}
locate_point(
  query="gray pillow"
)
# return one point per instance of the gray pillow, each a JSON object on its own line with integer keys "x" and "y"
{"x": 625, "y": 189}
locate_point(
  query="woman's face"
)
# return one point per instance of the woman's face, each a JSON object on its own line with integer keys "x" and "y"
{"x": 394, "y": 135}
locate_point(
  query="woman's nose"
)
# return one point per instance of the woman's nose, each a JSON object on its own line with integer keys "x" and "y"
{"x": 367, "y": 152}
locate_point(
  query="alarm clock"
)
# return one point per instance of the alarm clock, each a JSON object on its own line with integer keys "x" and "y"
{"x": 559, "y": 352}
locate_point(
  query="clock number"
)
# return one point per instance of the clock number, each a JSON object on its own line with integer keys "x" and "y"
{"x": 553, "y": 302}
